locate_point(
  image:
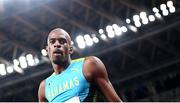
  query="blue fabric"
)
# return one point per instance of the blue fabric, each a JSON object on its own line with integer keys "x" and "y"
{"x": 71, "y": 82}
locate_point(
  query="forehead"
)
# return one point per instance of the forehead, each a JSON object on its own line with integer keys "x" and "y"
{"x": 59, "y": 33}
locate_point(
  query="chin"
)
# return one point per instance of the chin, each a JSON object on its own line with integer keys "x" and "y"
{"x": 58, "y": 62}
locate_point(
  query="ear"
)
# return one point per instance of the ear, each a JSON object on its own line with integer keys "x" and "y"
{"x": 71, "y": 50}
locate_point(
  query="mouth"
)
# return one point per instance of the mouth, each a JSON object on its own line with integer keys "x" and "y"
{"x": 57, "y": 52}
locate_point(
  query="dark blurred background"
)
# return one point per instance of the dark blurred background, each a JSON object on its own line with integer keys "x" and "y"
{"x": 138, "y": 41}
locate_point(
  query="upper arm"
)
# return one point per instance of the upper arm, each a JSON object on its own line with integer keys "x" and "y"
{"x": 99, "y": 76}
{"x": 41, "y": 92}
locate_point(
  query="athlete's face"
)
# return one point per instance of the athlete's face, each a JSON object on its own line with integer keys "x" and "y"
{"x": 59, "y": 47}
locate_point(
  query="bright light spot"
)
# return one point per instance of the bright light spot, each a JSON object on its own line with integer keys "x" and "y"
{"x": 143, "y": 14}
{"x": 151, "y": 18}
{"x": 9, "y": 69}
{"x": 95, "y": 39}
{"x": 103, "y": 36}
{"x": 36, "y": 60}
{"x": 22, "y": 61}
{"x": 117, "y": 29}
{"x": 30, "y": 59}
{"x": 133, "y": 28}
{"x": 128, "y": 21}
{"x": 88, "y": 40}
{"x": 80, "y": 41}
{"x": 165, "y": 12}
{"x": 158, "y": 15}
{"x": 72, "y": 43}
{"x": 44, "y": 53}
{"x": 163, "y": 6}
{"x": 155, "y": 10}
{"x": 15, "y": 62}
{"x": 136, "y": 18}
{"x": 137, "y": 24}
{"x": 18, "y": 69}
{"x": 124, "y": 29}
{"x": 144, "y": 18}
{"x": 110, "y": 31}
{"x": 145, "y": 21}
{"x": 2, "y": 69}
{"x": 172, "y": 9}
{"x": 101, "y": 31}
{"x": 169, "y": 4}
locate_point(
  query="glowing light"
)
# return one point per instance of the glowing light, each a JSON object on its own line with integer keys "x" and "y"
{"x": 117, "y": 29}
{"x": 80, "y": 41}
{"x": 88, "y": 40}
{"x": 133, "y": 28}
{"x": 43, "y": 52}
{"x": 16, "y": 67}
{"x": 151, "y": 18}
{"x": 128, "y": 21}
{"x": 2, "y": 69}
{"x": 72, "y": 43}
{"x": 103, "y": 36}
{"x": 10, "y": 69}
{"x": 136, "y": 18}
{"x": 30, "y": 59}
{"x": 172, "y": 9}
{"x": 143, "y": 15}
{"x": 169, "y": 4}
{"x": 124, "y": 29}
{"x": 137, "y": 24}
{"x": 110, "y": 31}
{"x": 165, "y": 12}
{"x": 158, "y": 15}
{"x": 22, "y": 61}
{"x": 101, "y": 31}
{"x": 16, "y": 62}
{"x": 155, "y": 10}
{"x": 36, "y": 60}
{"x": 144, "y": 18}
{"x": 95, "y": 39}
{"x": 163, "y": 6}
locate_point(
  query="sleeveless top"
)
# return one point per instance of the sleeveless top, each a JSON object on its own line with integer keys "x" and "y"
{"x": 68, "y": 84}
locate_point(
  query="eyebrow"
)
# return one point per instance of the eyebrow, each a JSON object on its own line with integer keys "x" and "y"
{"x": 58, "y": 39}
{"x": 52, "y": 38}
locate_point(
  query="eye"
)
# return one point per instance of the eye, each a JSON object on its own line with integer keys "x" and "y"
{"x": 52, "y": 41}
{"x": 62, "y": 41}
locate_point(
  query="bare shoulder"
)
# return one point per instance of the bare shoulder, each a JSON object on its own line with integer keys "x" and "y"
{"x": 94, "y": 67}
{"x": 41, "y": 91}
{"x": 42, "y": 84}
{"x": 93, "y": 60}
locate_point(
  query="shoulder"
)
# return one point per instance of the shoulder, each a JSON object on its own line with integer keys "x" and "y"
{"x": 92, "y": 60}
{"x": 42, "y": 86}
{"x": 94, "y": 67}
{"x": 41, "y": 91}
{"x": 42, "y": 83}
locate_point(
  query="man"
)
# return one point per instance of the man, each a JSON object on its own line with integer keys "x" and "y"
{"x": 71, "y": 79}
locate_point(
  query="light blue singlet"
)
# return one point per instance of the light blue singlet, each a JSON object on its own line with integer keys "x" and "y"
{"x": 70, "y": 83}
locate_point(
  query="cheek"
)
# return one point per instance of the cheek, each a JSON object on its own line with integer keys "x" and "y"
{"x": 49, "y": 51}
{"x": 66, "y": 49}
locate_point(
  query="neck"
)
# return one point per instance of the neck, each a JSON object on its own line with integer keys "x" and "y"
{"x": 59, "y": 68}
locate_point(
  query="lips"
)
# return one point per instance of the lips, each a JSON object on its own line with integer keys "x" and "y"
{"x": 57, "y": 52}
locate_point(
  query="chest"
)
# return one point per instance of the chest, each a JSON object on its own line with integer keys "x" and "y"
{"x": 70, "y": 83}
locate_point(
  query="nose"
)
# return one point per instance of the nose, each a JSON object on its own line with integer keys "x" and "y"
{"x": 57, "y": 44}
